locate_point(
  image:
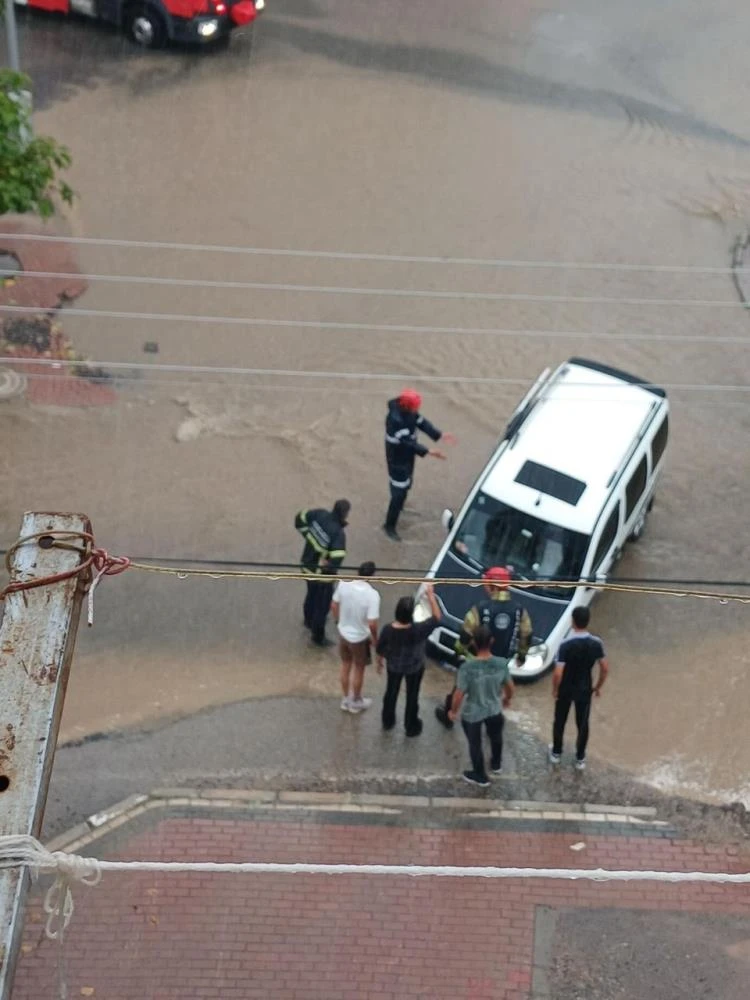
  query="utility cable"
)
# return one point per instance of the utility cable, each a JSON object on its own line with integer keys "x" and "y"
{"x": 403, "y": 377}
{"x": 420, "y": 574}
{"x": 310, "y": 324}
{"x": 496, "y": 262}
{"x": 467, "y": 295}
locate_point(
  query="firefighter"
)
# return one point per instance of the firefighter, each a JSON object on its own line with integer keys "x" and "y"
{"x": 402, "y": 422}
{"x": 508, "y": 621}
{"x": 324, "y": 551}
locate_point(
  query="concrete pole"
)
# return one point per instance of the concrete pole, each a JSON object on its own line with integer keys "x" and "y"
{"x": 10, "y": 29}
{"x": 37, "y": 636}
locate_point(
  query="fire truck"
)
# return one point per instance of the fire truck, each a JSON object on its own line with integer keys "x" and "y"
{"x": 152, "y": 23}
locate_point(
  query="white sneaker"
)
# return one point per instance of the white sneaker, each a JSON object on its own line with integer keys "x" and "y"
{"x": 580, "y": 764}
{"x": 358, "y": 705}
{"x": 554, "y": 758}
{"x": 345, "y": 704}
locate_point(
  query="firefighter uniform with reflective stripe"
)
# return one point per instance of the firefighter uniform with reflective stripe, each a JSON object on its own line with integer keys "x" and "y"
{"x": 323, "y": 554}
{"x": 509, "y": 623}
{"x": 511, "y": 629}
{"x": 401, "y": 449}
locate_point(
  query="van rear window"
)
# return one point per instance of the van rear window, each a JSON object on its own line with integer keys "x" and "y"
{"x": 549, "y": 481}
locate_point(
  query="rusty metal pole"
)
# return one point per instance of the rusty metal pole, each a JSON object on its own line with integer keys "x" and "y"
{"x": 36, "y": 646}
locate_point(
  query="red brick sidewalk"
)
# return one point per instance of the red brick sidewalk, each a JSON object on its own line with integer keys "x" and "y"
{"x": 274, "y": 937}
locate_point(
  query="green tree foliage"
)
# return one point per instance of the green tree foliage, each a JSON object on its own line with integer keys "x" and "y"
{"x": 29, "y": 165}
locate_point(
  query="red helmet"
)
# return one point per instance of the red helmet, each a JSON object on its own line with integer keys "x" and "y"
{"x": 410, "y": 399}
{"x": 497, "y": 574}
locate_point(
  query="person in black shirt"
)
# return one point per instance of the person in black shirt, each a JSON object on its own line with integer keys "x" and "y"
{"x": 572, "y": 684}
{"x": 323, "y": 554}
{"x": 401, "y": 646}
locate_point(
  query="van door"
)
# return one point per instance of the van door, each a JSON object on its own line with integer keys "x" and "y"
{"x": 606, "y": 542}
{"x": 635, "y": 491}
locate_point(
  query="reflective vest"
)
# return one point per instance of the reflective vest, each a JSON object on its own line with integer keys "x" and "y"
{"x": 503, "y": 619}
{"x": 325, "y": 541}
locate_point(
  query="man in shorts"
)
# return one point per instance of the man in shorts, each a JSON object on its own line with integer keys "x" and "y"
{"x": 356, "y": 610}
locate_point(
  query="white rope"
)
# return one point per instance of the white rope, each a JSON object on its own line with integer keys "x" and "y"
{"x": 408, "y": 293}
{"x": 307, "y": 324}
{"x": 25, "y": 851}
{"x": 381, "y": 257}
{"x": 403, "y": 377}
{"x": 29, "y": 852}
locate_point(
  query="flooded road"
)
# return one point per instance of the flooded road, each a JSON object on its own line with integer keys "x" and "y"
{"x": 505, "y": 136}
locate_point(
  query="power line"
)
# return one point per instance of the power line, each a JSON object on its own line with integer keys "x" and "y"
{"x": 309, "y": 324}
{"x": 381, "y": 257}
{"x": 365, "y": 376}
{"x": 407, "y": 572}
{"x": 466, "y": 295}
{"x": 124, "y": 381}
{"x": 276, "y": 576}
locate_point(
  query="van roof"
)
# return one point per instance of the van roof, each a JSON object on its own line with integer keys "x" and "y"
{"x": 574, "y": 438}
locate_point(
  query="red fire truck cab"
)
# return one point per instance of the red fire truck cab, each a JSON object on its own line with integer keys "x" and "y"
{"x": 151, "y": 23}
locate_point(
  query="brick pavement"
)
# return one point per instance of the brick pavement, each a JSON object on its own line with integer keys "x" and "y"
{"x": 226, "y": 937}
{"x": 44, "y": 297}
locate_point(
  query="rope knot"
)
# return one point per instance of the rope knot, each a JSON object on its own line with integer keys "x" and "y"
{"x": 103, "y": 564}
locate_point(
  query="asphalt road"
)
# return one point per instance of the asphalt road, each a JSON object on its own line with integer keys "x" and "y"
{"x": 597, "y": 132}
{"x": 309, "y": 744}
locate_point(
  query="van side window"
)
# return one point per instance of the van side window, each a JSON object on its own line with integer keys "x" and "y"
{"x": 659, "y": 443}
{"x": 608, "y": 536}
{"x": 636, "y": 486}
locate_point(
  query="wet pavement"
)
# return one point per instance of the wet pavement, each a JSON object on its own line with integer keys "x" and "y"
{"x": 308, "y": 743}
{"x": 589, "y": 132}
{"x": 394, "y": 937}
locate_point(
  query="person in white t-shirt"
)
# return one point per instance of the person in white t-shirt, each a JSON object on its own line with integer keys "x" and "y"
{"x": 356, "y": 609}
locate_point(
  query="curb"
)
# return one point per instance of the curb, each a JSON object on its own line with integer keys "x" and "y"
{"x": 104, "y": 822}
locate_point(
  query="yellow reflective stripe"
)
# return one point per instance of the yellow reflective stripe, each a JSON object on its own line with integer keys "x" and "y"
{"x": 525, "y": 626}
{"x": 471, "y": 621}
{"x": 337, "y": 553}
{"x": 313, "y": 541}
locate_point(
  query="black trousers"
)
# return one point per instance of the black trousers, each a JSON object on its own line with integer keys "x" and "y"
{"x": 398, "y": 496}
{"x": 317, "y": 605}
{"x": 583, "y": 710}
{"x": 448, "y": 703}
{"x": 494, "y": 726}
{"x": 412, "y": 722}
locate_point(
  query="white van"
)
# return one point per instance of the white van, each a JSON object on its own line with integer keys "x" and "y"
{"x": 571, "y": 481}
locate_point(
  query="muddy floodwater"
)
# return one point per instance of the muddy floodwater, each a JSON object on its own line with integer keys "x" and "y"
{"x": 487, "y": 150}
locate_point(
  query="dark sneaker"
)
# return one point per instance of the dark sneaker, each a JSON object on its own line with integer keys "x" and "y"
{"x": 323, "y": 643}
{"x": 442, "y": 716}
{"x": 392, "y": 533}
{"x": 475, "y": 779}
{"x": 497, "y": 770}
{"x": 417, "y": 730}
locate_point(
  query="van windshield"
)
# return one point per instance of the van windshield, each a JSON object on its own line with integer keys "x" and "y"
{"x": 494, "y": 534}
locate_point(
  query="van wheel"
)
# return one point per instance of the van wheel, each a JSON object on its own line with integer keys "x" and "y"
{"x": 145, "y": 26}
{"x": 638, "y": 528}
